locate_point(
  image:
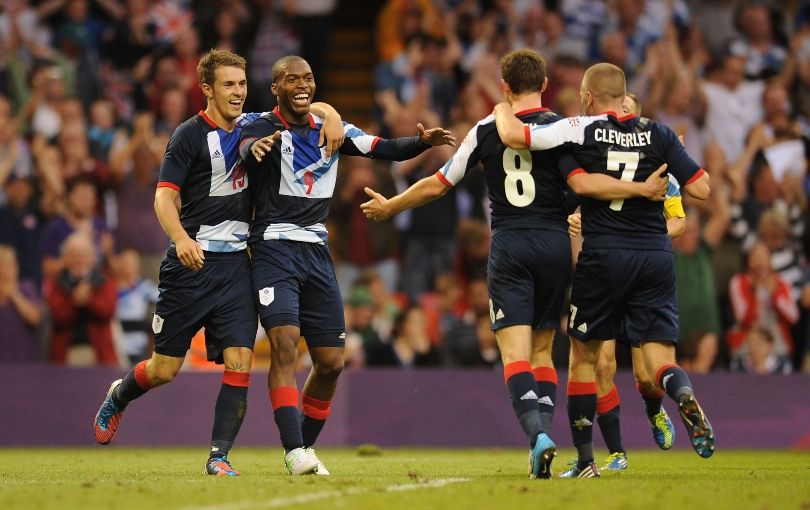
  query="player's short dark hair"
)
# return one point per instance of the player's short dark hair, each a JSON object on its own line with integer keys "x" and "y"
{"x": 280, "y": 66}
{"x": 605, "y": 81}
{"x": 524, "y": 71}
{"x": 215, "y": 58}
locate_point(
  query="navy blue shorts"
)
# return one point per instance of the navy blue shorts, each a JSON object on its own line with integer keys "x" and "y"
{"x": 624, "y": 294}
{"x": 218, "y": 297}
{"x": 528, "y": 274}
{"x": 295, "y": 285}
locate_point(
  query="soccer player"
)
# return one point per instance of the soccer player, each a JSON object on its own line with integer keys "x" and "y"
{"x": 205, "y": 277}
{"x": 624, "y": 285}
{"x": 293, "y": 274}
{"x": 607, "y": 397}
{"x": 530, "y": 258}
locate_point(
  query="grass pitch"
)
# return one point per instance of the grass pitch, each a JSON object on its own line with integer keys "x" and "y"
{"x": 397, "y": 479}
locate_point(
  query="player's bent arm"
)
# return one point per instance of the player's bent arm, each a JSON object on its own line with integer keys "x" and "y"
{"x": 604, "y": 187}
{"x": 188, "y": 251}
{"x": 511, "y": 129}
{"x": 699, "y": 188}
{"x": 676, "y": 226}
{"x": 332, "y": 133}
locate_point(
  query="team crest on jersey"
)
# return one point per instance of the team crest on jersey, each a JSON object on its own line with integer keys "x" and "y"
{"x": 157, "y": 324}
{"x": 267, "y": 295}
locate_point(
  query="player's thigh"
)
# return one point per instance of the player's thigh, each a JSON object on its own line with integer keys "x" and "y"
{"x": 277, "y": 282}
{"x": 233, "y": 322}
{"x": 514, "y": 343}
{"x": 510, "y": 281}
{"x": 322, "y": 319}
{"x": 596, "y": 297}
{"x": 652, "y": 307}
{"x": 551, "y": 269}
{"x": 185, "y": 299}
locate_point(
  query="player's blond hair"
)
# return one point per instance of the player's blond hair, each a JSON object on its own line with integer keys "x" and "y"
{"x": 207, "y": 67}
{"x": 606, "y": 82}
{"x": 636, "y": 103}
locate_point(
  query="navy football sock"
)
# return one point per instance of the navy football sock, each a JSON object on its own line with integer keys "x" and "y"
{"x": 581, "y": 412}
{"x": 652, "y": 401}
{"x": 607, "y": 408}
{"x": 523, "y": 393}
{"x": 285, "y": 410}
{"x": 229, "y": 411}
{"x": 674, "y": 381}
{"x": 314, "y": 413}
{"x": 134, "y": 384}
{"x": 546, "y": 378}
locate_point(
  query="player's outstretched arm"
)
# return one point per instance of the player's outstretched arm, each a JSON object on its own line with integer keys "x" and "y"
{"x": 605, "y": 187}
{"x": 511, "y": 129}
{"x": 332, "y": 133}
{"x": 396, "y": 149}
{"x": 188, "y": 250}
{"x": 420, "y": 193}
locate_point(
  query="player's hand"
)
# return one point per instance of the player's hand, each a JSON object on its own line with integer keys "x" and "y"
{"x": 263, "y": 145}
{"x": 655, "y": 187}
{"x": 190, "y": 253}
{"x": 574, "y": 224}
{"x": 436, "y": 136}
{"x": 331, "y": 135}
{"x": 377, "y": 208}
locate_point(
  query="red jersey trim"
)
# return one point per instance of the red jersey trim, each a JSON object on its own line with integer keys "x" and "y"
{"x": 208, "y": 120}
{"x": 277, "y": 113}
{"x": 622, "y": 118}
{"x": 695, "y": 177}
{"x": 374, "y": 143}
{"x": 444, "y": 180}
{"x": 532, "y": 110}
{"x": 527, "y": 134}
{"x": 576, "y": 171}
{"x": 167, "y": 184}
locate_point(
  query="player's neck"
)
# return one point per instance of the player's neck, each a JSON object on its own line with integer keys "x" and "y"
{"x": 615, "y": 109}
{"x": 219, "y": 119}
{"x": 527, "y": 102}
{"x": 292, "y": 117}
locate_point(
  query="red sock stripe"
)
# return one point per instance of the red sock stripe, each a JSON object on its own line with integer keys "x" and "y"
{"x": 581, "y": 388}
{"x": 545, "y": 374}
{"x": 140, "y": 376}
{"x": 516, "y": 367}
{"x": 660, "y": 373}
{"x": 285, "y": 396}
{"x": 314, "y": 408}
{"x": 657, "y": 394}
{"x": 234, "y": 378}
{"x": 608, "y": 402}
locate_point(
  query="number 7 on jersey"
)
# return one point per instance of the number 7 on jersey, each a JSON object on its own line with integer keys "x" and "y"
{"x": 615, "y": 160}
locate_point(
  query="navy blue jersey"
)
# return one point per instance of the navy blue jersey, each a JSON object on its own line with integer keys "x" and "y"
{"x": 202, "y": 163}
{"x": 293, "y": 185}
{"x": 525, "y": 187}
{"x": 627, "y": 148}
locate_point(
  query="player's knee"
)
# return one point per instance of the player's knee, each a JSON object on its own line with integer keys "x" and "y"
{"x": 162, "y": 374}
{"x": 329, "y": 369}
{"x": 645, "y": 384}
{"x": 605, "y": 370}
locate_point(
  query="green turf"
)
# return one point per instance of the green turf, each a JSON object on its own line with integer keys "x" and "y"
{"x": 114, "y": 478}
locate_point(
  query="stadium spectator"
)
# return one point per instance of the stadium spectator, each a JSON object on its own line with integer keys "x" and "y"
{"x": 136, "y": 299}
{"x": 757, "y": 42}
{"x": 410, "y": 345}
{"x": 21, "y": 227}
{"x": 20, "y": 312}
{"x": 698, "y": 352}
{"x": 79, "y": 216}
{"x": 81, "y": 298}
{"x": 761, "y": 299}
{"x": 757, "y": 355}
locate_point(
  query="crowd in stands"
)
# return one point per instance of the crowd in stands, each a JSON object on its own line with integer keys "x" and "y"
{"x": 90, "y": 91}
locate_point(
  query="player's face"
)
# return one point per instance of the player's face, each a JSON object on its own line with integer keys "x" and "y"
{"x": 229, "y": 91}
{"x": 295, "y": 89}
{"x": 629, "y": 106}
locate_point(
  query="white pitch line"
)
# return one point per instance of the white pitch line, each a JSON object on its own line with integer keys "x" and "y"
{"x": 316, "y": 496}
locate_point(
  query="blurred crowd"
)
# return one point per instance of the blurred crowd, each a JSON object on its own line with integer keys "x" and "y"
{"x": 90, "y": 91}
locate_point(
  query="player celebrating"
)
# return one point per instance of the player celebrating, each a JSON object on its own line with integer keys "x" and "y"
{"x": 205, "y": 277}
{"x": 530, "y": 258}
{"x": 624, "y": 285}
{"x": 607, "y": 397}
{"x": 293, "y": 274}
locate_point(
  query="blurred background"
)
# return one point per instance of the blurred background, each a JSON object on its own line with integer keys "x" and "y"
{"x": 90, "y": 91}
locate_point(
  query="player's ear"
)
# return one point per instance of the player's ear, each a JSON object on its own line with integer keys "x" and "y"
{"x": 274, "y": 88}
{"x": 545, "y": 84}
{"x": 207, "y": 91}
{"x": 505, "y": 88}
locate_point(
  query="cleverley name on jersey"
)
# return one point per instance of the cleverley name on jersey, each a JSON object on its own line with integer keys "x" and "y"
{"x": 623, "y": 139}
